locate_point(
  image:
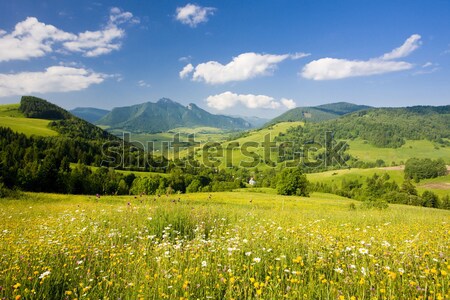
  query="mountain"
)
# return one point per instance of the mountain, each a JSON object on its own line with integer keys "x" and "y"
{"x": 165, "y": 115}
{"x": 89, "y": 114}
{"x": 62, "y": 121}
{"x": 254, "y": 121}
{"x": 382, "y": 127}
{"x": 319, "y": 113}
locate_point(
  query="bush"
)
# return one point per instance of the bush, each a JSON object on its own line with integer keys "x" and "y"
{"x": 418, "y": 169}
{"x": 292, "y": 182}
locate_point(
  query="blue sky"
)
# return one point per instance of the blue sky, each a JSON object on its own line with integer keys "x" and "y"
{"x": 250, "y": 57}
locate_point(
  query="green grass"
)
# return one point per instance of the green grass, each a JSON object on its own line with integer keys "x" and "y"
{"x": 439, "y": 186}
{"x": 10, "y": 110}
{"x": 126, "y": 172}
{"x": 11, "y": 117}
{"x": 236, "y": 156}
{"x": 419, "y": 149}
{"x": 231, "y": 245}
{"x": 28, "y": 126}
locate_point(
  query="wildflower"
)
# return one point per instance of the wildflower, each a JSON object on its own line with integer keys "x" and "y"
{"x": 256, "y": 259}
{"x": 363, "y": 251}
{"x": 363, "y": 271}
{"x": 45, "y": 274}
{"x": 16, "y": 286}
{"x": 248, "y": 253}
{"x": 339, "y": 270}
{"x": 204, "y": 264}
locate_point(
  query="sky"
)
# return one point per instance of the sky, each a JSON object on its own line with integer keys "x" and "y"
{"x": 253, "y": 57}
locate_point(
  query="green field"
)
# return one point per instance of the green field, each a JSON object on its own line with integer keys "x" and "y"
{"x": 11, "y": 117}
{"x": 231, "y": 245}
{"x": 202, "y": 135}
{"x": 236, "y": 156}
{"x": 439, "y": 186}
{"x": 419, "y": 149}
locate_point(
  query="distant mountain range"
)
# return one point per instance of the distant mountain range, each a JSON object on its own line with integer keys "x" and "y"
{"x": 166, "y": 114}
{"x": 89, "y": 114}
{"x": 319, "y": 113}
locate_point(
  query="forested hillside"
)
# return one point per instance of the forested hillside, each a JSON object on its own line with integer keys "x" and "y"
{"x": 381, "y": 127}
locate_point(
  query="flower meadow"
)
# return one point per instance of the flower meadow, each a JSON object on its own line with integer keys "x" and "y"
{"x": 235, "y": 245}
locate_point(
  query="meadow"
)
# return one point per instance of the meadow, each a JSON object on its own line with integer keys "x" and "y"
{"x": 11, "y": 117}
{"x": 234, "y": 245}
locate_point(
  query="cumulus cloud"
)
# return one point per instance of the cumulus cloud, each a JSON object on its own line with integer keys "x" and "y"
{"x": 186, "y": 71}
{"x": 242, "y": 67}
{"x": 32, "y": 38}
{"x": 193, "y": 15}
{"x": 229, "y": 99}
{"x": 335, "y": 68}
{"x": 289, "y": 103}
{"x": 53, "y": 79}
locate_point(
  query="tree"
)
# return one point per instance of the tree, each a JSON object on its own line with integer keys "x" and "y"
{"x": 292, "y": 182}
{"x": 430, "y": 199}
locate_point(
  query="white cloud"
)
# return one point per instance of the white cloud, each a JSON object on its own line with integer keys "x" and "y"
{"x": 53, "y": 79}
{"x": 186, "y": 71}
{"x": 242, "y": 67}
{"x": 193, "y": 15}
{"x": 289, "y": 103}
{"x": 229, "y": 99}
{"x": 411, "y": 44}
{"x": 31, "y": 38}
{"x": 334, "y": 68}
{"x": 299, "y": 55}
{"x": 96, "y": 43}
{"x": 142, "y": 83}
{"x": 427, "y": 68}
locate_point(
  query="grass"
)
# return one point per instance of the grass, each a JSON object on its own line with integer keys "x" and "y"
{"x": 439, "y": 186}
{"x": 10, "y": 110}
{"x": 220, "y": 246}
{"x": 419, "y": 149}
{"x": 11, "y": 117}
{"x": 236, "y": 156}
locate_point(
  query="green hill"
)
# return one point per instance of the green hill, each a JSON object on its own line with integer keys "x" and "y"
{"x": 319, "y": 113}
{"x": 12, "y": 117}
{"x": 164, "y": 115}
{"x": 62, "y": 121}
{"x": 89, "y": 114}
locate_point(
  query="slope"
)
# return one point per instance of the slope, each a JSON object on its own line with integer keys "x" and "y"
{"x": 318, "y": 113}
{"x": 89, "y": 114}
{"x": 164, "y": 115}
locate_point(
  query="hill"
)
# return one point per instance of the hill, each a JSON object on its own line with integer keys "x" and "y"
{"x": 319, "y": 113}
{"x": 89, "y": 114}
{"x": 11, "y": 117}
{"x": 61, "y": 120}
{"x": 164, "y": 115}
{"x": 382, "y": 127}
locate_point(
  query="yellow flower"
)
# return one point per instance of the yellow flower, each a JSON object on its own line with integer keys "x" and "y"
{"x": 68, "y": 293}
{"x": 16, "y": 286}
{"x": 443, "y": 273}
{"x": 18, "y": 297}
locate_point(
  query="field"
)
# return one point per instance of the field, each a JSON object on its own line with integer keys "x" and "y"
{"x": 202, "y": 135}
{"x": 237, "y": 156}
{"x": 419, "y": 149}
{"x": 439, "y": 185}
{"x": 233, "y": 245}
{"x": 11, "y": 117}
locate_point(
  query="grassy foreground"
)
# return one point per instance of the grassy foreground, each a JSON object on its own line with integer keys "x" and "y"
{"x": 220, "y": 246}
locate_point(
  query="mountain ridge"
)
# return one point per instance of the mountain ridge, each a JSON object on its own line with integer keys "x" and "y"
{"x": 166, "y": 114}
